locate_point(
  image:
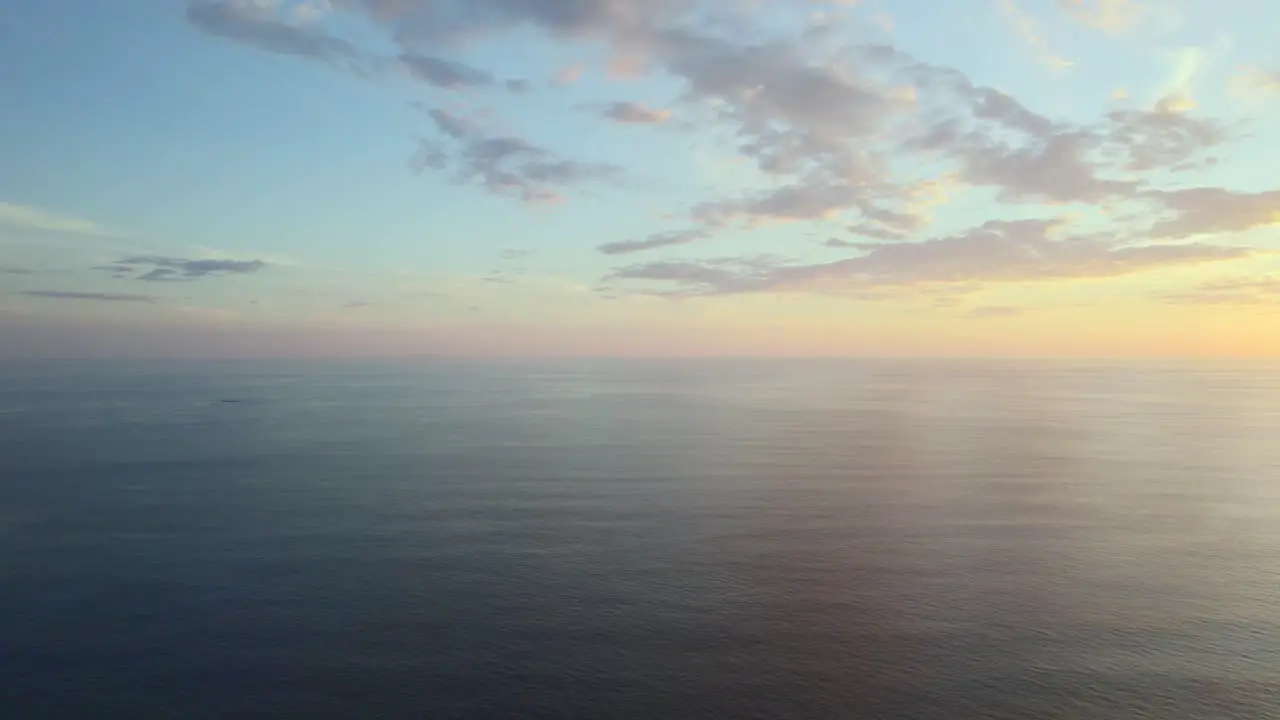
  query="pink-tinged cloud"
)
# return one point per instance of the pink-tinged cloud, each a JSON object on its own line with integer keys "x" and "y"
{"x": 1212, "y": 211}
{"x": 630, "y": 113}
{"x": 569, "y": 74}
{"x": 997, "y": 251}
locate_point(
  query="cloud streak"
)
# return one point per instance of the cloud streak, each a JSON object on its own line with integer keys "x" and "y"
{"x": 90, "y": 296}
{"x": 630, "y": 113}
{"x": 995, "y": 252}
{"x": 445, "y": 73}
{"x": 1263, "y": 290}
{"x": 173, "y": 269}
{"x": 32, "y": 218}
{"x": 655, "y": 241}
{"x": 262, "y": 25}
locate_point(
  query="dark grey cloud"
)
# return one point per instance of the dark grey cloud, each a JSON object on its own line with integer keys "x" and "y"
{"x": 263, "y": 27}
{"x": 93, "y": 296}
{"x": 162, "y": 275}
{"x": 504, "y": 164}
{"x": 997, "y": 251}
{"x": 164, "y": 268}
{"x": 16, "y": 271}
{"x": 654, "y": 241}
{"x": 444, "y": 73}
{"x": 118, "y": 271}
{"x": 428, "y": 22}
{"x": 357, "y": 304}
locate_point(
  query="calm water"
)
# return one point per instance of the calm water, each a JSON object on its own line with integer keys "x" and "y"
{"x": 707, "y": 539}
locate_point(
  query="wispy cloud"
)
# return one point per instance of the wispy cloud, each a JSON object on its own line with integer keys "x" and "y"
{"x": 997, "y": 251}
{"x": 444, "y": 73}
{"x": 1256, "y": 82}
{"x": 504, "y": 164}
{"x": 630, "y": 113}
{"x": 1030, "y": 34}
{"x": 264, "y": 25}
{"x": 171, "y": 269}
{"x": 90, "y": 296}
{"x": 1110, "y": 16}
{"x": 653, "y": 242}
{"x": 27, "y": 217}
{"x": 1264, "y": 290}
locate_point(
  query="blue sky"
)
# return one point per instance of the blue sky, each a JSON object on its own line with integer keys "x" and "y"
{"x": 623, "y": 177}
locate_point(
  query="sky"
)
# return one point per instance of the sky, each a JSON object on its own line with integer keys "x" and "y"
{"x": 511, "y": 178}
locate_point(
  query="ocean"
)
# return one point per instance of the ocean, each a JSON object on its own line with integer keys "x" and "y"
{"x": 640, "y": 539}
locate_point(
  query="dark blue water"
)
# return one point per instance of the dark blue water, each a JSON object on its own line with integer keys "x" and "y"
{"x": 747, "y": 539}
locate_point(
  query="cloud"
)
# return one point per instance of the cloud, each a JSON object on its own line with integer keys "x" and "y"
{"x": 569, "y": 74}
{"x": 94, "y": 296}
{"x": 1212, "y": 210}
{"x": 179, "y": 269}
{"x": 630, "y": 113}
{"x": 1235, "y": 291}
{"x": 1161, "y": 138}
{"x": 1110, "y": 16}
{"x": 1026, "y": 28}
{"x": 16, "y": 271}
{"x": 1029, "y": 158}
{"x": 997, "y": 251}
{"x": 260, "y": 24}
{"x": 654, "y": 241}
{"x": 1056, "y": 170}
{"x": 27, "y": 217}
{"x": 504, "y": 165}
{"x": 444, "y": 73}
{"x": 992, "y": 140}
{"x": 357, "y": 304}
{"x": 161, "y": 275}
{"x": 426, "y": 21}
{"x": 813, "y": 198}
{"x": 835, "y": 133}
{"x": 118, "y": 271}
{"x": 792, "y": 115}
{"x": 1255, "y": 82}
{"x": 995, "y": 311}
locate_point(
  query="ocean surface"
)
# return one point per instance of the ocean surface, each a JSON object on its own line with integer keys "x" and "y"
{"x": 647, "y": 539}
